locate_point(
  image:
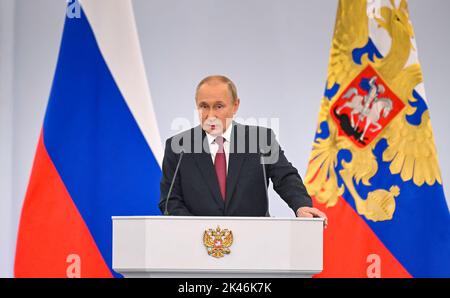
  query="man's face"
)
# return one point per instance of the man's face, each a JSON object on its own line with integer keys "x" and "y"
{"x": 216, "y": 107}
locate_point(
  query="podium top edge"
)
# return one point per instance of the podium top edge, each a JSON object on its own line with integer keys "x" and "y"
{"x": 262, "y": 218}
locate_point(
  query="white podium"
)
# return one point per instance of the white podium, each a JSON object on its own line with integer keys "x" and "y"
{"x": 174, "y": 246}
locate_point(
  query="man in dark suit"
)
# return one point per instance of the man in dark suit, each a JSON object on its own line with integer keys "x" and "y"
{"x": 221, "y": 168}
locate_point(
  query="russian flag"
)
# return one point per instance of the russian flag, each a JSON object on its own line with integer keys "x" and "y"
{"x": 99, "y": 153}
{"x": 374, "y": 167}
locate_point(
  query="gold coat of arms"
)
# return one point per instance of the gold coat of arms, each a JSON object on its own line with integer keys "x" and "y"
{"x": 218, "y": 242}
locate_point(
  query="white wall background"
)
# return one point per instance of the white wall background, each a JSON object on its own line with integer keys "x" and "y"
{"x": 275, "y": 51}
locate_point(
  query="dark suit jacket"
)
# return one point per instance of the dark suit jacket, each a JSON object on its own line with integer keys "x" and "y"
{"x": 196, "y": 189}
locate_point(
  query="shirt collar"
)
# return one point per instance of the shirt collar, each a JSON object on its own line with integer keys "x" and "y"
{"x": 226, "y": 135}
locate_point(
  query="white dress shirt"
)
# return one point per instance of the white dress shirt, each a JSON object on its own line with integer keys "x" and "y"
{"x": 213, "y": 147}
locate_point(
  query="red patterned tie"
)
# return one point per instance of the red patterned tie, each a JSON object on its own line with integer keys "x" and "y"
{"x": 220, "y": 164}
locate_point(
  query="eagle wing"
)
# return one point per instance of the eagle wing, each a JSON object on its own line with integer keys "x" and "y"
{"x": 208, "y": 239}
{"x": 228, "y": 239}
{"x": 417, "y": 162}
{"x": 351, "y": 32}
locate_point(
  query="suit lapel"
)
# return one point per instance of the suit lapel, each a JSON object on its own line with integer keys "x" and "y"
{"x": 236, "y": 159}
{"x": 234, "y": 168}
{"x": 206, "y": 167}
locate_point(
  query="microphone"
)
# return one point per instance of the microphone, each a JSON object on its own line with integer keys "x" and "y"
{"x": 265, "y": 180}
{"x": 166, "y": 212}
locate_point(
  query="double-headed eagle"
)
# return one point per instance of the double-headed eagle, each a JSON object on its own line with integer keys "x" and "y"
{"x": 218, "y": 242}
{"x": 410, "y": 151}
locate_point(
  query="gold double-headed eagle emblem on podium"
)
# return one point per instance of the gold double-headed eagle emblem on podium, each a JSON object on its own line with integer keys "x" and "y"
{"x": 218, "y": 242}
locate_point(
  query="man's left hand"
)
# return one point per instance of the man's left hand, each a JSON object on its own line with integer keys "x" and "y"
{"x": 312, "y": 212}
